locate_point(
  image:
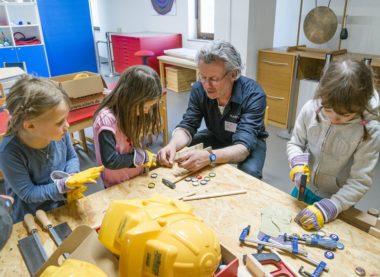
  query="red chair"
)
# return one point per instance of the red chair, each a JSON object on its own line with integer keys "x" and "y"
{"x": 79, "y": 120}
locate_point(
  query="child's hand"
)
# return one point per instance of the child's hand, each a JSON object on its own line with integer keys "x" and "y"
{"x": 144, "y": 158}
{"x": 150, "y": 159}
{"x": 315, "y": 216}
{"x": 299, "y": 167}
{"x": 84, "y": 177}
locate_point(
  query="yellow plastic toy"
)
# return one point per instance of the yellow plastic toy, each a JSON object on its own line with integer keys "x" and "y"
{"x": 73, "y": 268}
{"x": 159, "y": 237}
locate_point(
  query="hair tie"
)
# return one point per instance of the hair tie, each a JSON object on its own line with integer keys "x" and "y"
{"x": 364, "y": 122}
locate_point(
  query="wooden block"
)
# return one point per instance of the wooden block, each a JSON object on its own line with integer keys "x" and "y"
{"x": 359, "y": 219}
{"x": 374, "y": 232}
{"x": 179, "y": 79}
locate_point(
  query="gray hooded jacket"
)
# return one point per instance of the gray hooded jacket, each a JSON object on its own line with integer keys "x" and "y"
{"x": 341, "y": 162}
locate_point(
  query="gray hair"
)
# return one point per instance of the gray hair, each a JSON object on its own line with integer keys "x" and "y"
{"x": 31, "y": 97}
{"x": 223, "y": 51}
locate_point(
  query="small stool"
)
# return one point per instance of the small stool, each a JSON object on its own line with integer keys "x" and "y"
{"x": 145, "y": 54}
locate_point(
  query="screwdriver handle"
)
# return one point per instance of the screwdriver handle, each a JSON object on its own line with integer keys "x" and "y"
{"x": 29, "y": 223}
{"x": 42, "y": 217}
{"x": 324, "y": 243}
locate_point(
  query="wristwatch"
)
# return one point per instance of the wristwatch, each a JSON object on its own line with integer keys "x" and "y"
{"x": 212, "y": 158}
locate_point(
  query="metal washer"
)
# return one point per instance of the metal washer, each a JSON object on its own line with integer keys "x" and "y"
{"x": 360, "y": 271}
{"x": 329, "y": 255}
{"x": 203, "y": 182}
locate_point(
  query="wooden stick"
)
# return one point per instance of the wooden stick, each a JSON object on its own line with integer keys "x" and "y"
{"x": 212, "y": 195}
{"x": 187, "y": 195}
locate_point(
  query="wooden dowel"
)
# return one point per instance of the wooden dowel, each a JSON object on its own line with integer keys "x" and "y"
{"x": 187, "y": 195}
{"x": 212, "y": 195}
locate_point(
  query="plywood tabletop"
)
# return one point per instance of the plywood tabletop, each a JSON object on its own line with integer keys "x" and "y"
{"x": 226, "y": 215}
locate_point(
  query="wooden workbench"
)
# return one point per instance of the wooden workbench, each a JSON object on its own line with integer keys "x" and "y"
{"x": 226, "y": 215}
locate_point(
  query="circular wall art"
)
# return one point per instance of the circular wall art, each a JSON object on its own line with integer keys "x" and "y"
{"x": 162, "y": 6}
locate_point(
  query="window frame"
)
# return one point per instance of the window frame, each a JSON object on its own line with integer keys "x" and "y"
{"x": 201, "y": 35}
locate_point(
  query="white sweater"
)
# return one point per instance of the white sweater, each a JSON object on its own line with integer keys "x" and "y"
{"x": 341, "y": 163}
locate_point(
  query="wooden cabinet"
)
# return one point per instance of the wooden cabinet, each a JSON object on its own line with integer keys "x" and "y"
{"x": 275, "y": 75}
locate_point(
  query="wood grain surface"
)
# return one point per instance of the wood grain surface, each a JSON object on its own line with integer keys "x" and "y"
{"x": 226, "y": 215}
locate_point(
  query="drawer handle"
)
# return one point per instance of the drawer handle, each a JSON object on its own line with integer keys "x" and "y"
{"x": 275, "y": 97}
{"x": 275, "y": 63}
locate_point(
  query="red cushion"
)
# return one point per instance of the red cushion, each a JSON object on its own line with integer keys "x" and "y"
{"x": 4, "y": 118}
{"x": 81, "y": 114}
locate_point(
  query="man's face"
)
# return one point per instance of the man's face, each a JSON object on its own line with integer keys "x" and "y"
{"x": 215, "y": 80}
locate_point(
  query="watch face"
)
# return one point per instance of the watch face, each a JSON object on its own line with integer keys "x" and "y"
{"x": 212, "y": 157}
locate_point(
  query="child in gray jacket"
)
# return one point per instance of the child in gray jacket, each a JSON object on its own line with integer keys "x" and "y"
{"x": 336, "y": 140}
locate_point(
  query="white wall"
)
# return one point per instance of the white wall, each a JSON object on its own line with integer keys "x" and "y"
{"x": 235, "y": 21}
{"x": 363, "y": 25}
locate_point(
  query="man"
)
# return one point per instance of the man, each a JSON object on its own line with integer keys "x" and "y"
{"x": 233, "y": 108}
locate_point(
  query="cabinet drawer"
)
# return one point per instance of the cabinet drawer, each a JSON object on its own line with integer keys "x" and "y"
{"x": 276, "y": 70}
{"x": 275, "y": 75}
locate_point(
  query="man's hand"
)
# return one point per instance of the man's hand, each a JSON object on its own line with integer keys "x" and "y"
{"x": 194, "y": 160}
{"x": 166, "y": 155}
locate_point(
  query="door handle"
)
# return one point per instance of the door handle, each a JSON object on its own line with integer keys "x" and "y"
{"x": 275, "y": 97}
{"x": 275, "y": 63}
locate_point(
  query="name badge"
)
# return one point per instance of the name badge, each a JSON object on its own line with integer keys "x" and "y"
{"x": 230, "y": 126}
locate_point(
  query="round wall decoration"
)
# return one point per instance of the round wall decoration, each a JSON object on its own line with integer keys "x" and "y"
{"x": 162, "y": 6}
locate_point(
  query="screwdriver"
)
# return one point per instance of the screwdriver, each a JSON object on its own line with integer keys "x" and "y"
{"x": 323, "y": 243}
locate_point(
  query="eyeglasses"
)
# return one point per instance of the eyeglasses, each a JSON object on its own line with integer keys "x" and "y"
{"x": 213, "y": 81}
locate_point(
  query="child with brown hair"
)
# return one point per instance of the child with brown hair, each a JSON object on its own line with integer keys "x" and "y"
{"x": 125, "y": 116}
{"x": 337, "y": 136}
{"x": 37, "y": 146}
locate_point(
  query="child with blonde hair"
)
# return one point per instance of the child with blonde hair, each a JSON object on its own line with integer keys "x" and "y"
{"x": 337, "y": 138}
{"x": 124, "y": 117}
{"x": 36, "y": 154}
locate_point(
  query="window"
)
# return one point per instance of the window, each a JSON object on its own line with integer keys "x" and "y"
{"x": 205, "y": 19}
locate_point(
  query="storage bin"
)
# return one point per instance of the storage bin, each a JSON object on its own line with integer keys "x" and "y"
{"x": 179, "y": 79}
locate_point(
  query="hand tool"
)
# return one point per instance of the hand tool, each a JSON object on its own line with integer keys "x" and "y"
{"x": 267, "y": 259}
{"x": 302, "y": 188}
{"x": 31, "y": 247}
{"x": 317, "y": 272}
{"x": 58, "y": 236}
{"x": 212, "y": 195}
{"x": 168, "y": 183}
{"x": 300, "y": 253}
{"x": 329, "y": 244}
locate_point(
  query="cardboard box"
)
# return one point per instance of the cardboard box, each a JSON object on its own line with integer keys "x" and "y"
{"x": 82, "y": 86}
{"x": 86, "y": 101}
{"x": 179, "y": 79}
{"x": 83, "y": 244}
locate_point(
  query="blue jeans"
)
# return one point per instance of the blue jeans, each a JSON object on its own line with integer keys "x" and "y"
{"x": 310, "y": 197}
{"x": 252, "y": 165}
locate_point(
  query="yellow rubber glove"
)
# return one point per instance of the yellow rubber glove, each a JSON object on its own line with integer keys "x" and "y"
{"x": 87, "y": 176}
{"x": 76, "y": 194}
{"x": 151, "y": 159}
